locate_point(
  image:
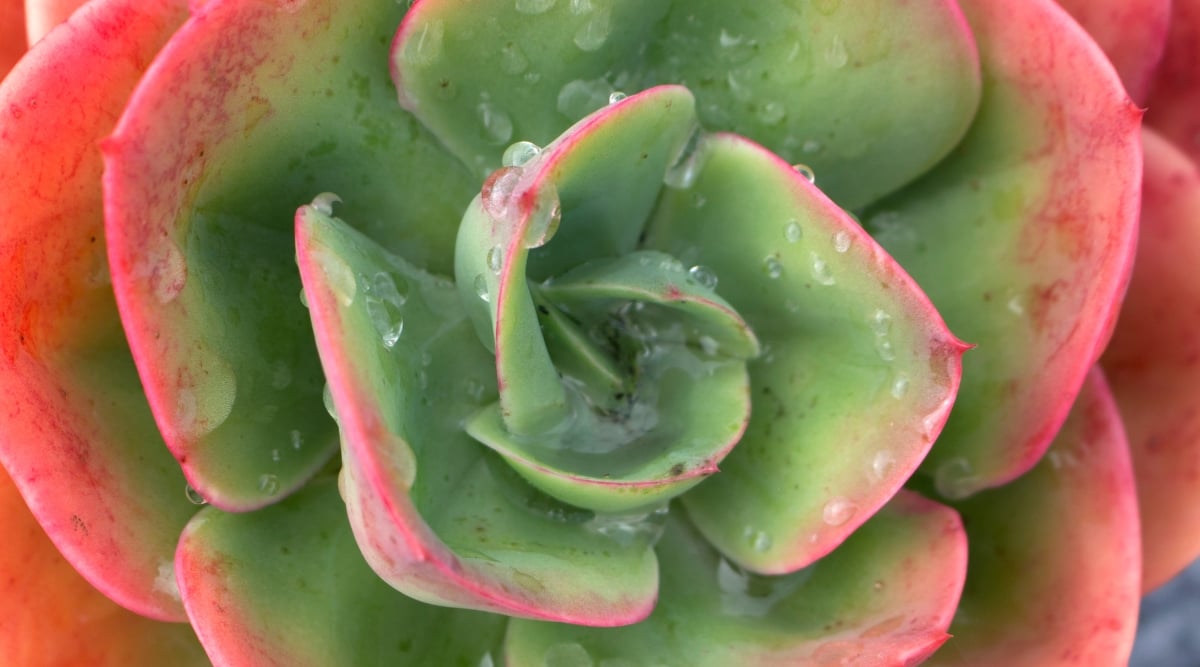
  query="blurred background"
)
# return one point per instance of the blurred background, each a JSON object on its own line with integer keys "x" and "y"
{"x": 1169, "y": 629}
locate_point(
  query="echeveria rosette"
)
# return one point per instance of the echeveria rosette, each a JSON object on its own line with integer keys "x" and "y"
{"x": 253, "y": 108}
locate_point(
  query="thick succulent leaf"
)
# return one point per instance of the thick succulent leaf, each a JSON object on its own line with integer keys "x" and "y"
{"x": 12, "y": 34}
{"x": 869, "y": 93}
{"x": 1175, "y": 93}
{"x": 1152, "y": 362}
{"x": 75, "y": 430}
{"x": 857, "y": 373}
{"x": 884, "y": 598}
{"x": 434, "y": 512}
{"x": 53, "y": 617}
{"x": 1055, "y": 560}
{"x": 668, "y": 436}
{"x": 43, "y": 15}
{"x": 1024, "y": 237}
{"x": 287, "y": 586}
{"x": 246, "y": 106}
{"x": 1131, "y": 32}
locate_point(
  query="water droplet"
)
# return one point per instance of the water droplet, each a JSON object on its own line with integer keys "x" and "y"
{"x": 835, "y": 54}
{"x": 534, "y": 6}
{"x": 268, "y": 484}
{"x": 567, "y": 655}
{"x": 388, "y": 323}
{"x": 425, "y": 47}
{"x": 841, "y": 241}
{"x": 771, "y": 113}
{"x": 884, "y": 348}
{"x": 297, "y": 439}
{"x": 205, "y": 404}
{"x": 821, "y": 272}
{"x": 878, "y": 585}
{"x": 520, "y": 153}
{"x": 579, "y": 98}
{"x": 497, "y": 192}
{"x": 882, "y": 464}
{"x": 811, "y": 146}
{"x": 327, "y": 399}
{"x": 838, "y": 511}
{"x": 759, "y": 540}
{"x": 495, "y": 259}
{"x": 616, "y": 96}
{"x": 703, "y": 276}
{"x": 338, "y": 275}
{"x": 595, "y": 30}
{"x": 487, "y": 661}
{"x": 323, "y": 203}
{"x": 805, "y": 171}
{"x": 698, "y": 200}
{"x": 545, "y": 215}
{"x": 709, "y": 345}
{"x": 1015, "y": 306}
{"x": 793, "y": 232}
{"x": 881, "y": 322}
{"x": 735, "y": 48}
{"x": 513, "y": 60}
{"x": 954, "y": 478}
{"x": 772, "y": 267}
{"x": 687, "y": 164}
{"x": 497, "y": 126}
{"x": 193, "y": 495}
{"x": 481, "y": 288}
{"x": 303, "y": 298}
{"x": 899, "y": 386}
{"x": 275, "y": 455}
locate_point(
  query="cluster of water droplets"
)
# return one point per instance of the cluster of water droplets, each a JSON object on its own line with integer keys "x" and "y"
{"x": 385, "y": 298}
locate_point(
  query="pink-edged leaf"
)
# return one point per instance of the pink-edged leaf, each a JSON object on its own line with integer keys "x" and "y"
{"x": 287, "y": 587}
{"x": 857, "y": 374}
{"x": 1024, "y": 237}
{"x": 436, "y": 514}
{"x": 55, "y": 618}
{"x": 1153, "y": 361}
{"x": 1174, "y": 103}
{"x": 885, "y": 597}
{"x": 246, "y": 107}
{"x": 12, "y": 34}
{"x": 1055, "y": 559}
{"x": 1133, "y": 34}
{"x": 41, "y": 16}
{"x": 75, "y": 430}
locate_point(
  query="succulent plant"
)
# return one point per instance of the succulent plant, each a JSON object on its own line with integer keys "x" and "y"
{"x": 594, "y": 332}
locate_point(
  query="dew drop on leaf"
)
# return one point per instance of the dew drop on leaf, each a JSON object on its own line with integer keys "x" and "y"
{"x": 838, "y": 511}
{"x": 520, "y": 153}
{"x": 793, "y": 232}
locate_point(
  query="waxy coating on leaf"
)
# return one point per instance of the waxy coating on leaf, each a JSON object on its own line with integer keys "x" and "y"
{"x": 288, "y": 587}
{"x": 77, "y": 434}
{"x": 435, "y": 514}
{"x": 885, "y": 597}
{"x": 857, "y": 371}
{"x": 1131, "y": 32}
{"x": 53, "y": 618}
{"x": 1024, "y": 237}
{"x": 1055, "y": 561}
{"x": 806, "y": 79}
{"x": 1152, "y": 362}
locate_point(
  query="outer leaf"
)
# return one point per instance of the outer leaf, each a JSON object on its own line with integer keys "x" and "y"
{"x": 1024, "y": 237}
{"x": 54, "y": 618}
{"x": 1153, "y": 359}
{"x": 1132, "y": 33}
{"x": 884, "y": 598}
{"x": 1054, "y": 556}
{"x": 224, "y": 138}
{"x": 288, "y": 587}
{"x": 433, "y": 511}
{"x": 75, "y": 430}
{"x": 12, "y": 34}
{"x": 857, "y": 373}
{"x": 805, "y": 79}
{"x": 1175, "y": 92}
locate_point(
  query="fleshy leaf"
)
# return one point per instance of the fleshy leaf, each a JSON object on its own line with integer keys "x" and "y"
{"x": 75, "y": 430}
{"x": 55, "y": 618}
{"x": 12, "y": 34}
{"x": 1055, "y": 561}
{"x": 857, "y": 372}
{"x": 243, "y": 110}
{"x": 1024, "y": 237}
{"x": 435, "y": 513}
{"x": 1152, "y": 362}
{"x": 602, "y": 448}
{"x": 287, "y": 586}
{"x": 1131, "y": 32}
{"x": 1175, "y": 91}
{"x": 806, "y": 80}
{"x": 884, "y": 598}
